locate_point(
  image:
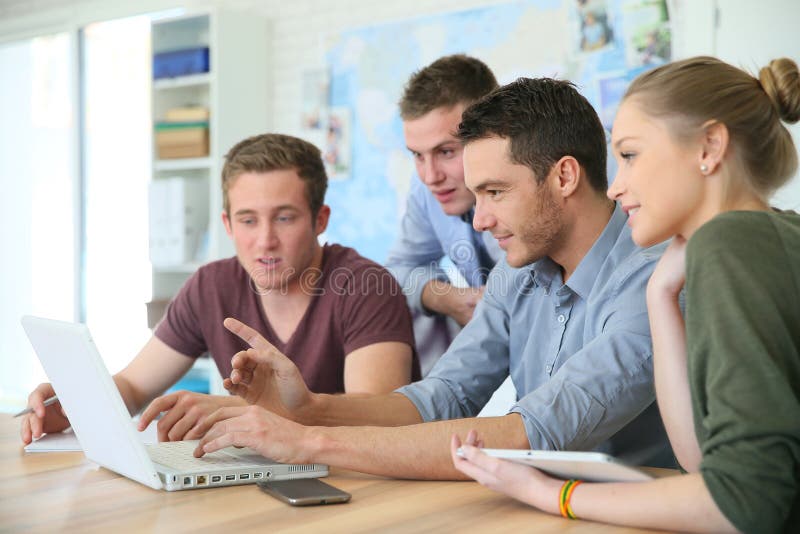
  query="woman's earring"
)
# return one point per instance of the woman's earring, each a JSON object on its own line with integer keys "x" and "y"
{"x": 703, "y": 168}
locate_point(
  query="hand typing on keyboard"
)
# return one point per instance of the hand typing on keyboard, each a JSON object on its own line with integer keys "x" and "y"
{"x": 266, "y": 433}
{"x": 184, "y": 411}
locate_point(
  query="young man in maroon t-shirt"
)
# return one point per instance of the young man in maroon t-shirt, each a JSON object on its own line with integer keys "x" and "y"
{"x": 341, "y": 318}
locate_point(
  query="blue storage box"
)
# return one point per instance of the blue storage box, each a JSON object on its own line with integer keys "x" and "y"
{"x": 180, "y": 63}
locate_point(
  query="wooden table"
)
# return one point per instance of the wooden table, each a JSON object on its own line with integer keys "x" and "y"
{"x": 65, "y": 492}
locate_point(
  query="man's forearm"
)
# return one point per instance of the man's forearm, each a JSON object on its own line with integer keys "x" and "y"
{"x": 446, "y": 299}
{"x": 355, "y": 409}
{"x": 435, "y": 297}
{"x": 418, "y": 451}
{"x": 133, "y": 400}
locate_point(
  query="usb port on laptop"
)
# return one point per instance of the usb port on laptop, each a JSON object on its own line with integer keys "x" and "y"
{"x": 230, "y": 477}
{"x": 244, "y": 476}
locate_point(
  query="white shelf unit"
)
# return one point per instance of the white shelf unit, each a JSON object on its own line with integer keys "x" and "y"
{"x": 237, "y": 95}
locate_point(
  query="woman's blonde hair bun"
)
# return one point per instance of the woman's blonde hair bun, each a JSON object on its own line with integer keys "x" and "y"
{"x": 781, "y": 81}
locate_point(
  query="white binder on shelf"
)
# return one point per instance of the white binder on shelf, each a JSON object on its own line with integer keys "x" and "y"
{"x": 178, "y": 220}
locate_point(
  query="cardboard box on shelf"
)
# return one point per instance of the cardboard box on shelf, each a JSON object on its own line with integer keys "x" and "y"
{"x": 182, "y": 140}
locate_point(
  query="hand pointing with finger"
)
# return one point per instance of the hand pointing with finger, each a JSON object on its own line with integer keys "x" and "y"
{"x": 262, "y": 375}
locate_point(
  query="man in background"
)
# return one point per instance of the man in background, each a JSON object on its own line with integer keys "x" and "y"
{"x": 439, "y": 208}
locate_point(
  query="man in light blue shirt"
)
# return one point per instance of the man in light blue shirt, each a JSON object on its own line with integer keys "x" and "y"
{"x": 556, "y": 339}
{"x": 438, "y": 217}
{"x": 437, "y": 222}
{"x": 564, "y": 314}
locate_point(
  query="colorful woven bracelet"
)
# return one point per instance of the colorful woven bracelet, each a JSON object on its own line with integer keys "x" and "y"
{"x": 565, "y": 495}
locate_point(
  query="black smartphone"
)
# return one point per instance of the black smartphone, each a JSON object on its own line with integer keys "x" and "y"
{"x": 304, "y": 492}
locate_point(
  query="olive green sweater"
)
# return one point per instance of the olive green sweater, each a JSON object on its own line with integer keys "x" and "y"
{"x": 743, "y": 340}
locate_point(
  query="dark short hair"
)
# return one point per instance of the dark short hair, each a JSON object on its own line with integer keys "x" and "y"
{"x": 450, "y": 80}
{"x": 545, "y": 120}
{"x": 274, "y": 152}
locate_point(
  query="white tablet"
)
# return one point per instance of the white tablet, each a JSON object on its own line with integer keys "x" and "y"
{"x": 590, "y": 466}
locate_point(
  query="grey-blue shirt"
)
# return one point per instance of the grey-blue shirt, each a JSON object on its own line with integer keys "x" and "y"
{"x": 579, "y": 353}
{"x": 427, "y": 234}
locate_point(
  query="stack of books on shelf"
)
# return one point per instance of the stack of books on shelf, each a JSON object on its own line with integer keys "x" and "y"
{"x": 183, "y": 133}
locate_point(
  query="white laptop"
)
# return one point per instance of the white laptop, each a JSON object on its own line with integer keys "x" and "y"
{"x": 108, "y": 436}
{"x": 590, "y": 466}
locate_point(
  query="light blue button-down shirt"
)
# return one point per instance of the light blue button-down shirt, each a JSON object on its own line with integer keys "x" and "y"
{"x": 579, "y": 354}
{"x": 427, "y": 234}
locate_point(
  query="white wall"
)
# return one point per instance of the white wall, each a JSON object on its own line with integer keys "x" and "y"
{"x": 750, "y": 37}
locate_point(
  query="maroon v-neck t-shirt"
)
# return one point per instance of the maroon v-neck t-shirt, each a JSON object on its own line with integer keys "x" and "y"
{"x": 356, "y": 303}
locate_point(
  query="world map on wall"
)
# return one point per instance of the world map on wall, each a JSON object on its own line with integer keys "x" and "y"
{"x": 608, "y": 43}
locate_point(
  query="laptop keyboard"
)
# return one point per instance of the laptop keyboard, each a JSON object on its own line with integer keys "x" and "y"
{"x": 178, "y": 455}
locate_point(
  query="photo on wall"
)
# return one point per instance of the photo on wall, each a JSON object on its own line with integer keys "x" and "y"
{"x": 596, "y": 29}
{"x": 315, "y": 86}
{"x": 336, "y": 152}
{"x": 611, "y": 90}
{"x": 648, "y": 40}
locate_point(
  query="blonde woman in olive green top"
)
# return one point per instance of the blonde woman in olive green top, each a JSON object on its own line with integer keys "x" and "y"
{"x": 701, "y": 148}
{"x": 743, "y": 333}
